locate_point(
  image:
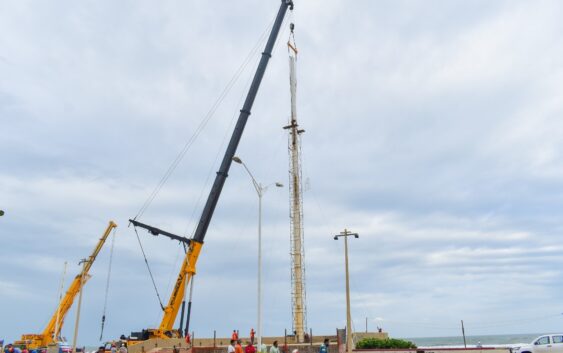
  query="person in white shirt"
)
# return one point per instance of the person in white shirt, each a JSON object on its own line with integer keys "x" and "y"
{"x": 274, "y": 348}
{"x": 231, "y": 348}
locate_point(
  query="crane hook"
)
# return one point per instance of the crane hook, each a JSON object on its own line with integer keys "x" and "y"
{"x": 290, "y": 3}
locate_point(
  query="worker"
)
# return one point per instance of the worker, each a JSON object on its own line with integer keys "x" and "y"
{"x": 274, "y": 348}
{"x": 11, "y": 349}
{"x": 231, "y": 348}
{"x": 249, "y": 348}
{"x": 324, "y": 346}
{"x": 238, "y": 347}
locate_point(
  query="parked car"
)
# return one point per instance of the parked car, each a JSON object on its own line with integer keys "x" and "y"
{"x": 552, "y": 343}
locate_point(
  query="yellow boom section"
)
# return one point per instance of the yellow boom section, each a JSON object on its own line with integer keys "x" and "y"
{"x": 33, "y": 341}
{"x": 187, "y": 271}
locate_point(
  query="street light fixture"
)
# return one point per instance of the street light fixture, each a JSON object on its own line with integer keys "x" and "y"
{"x": 260, "y": 190}
{"x": 346, "y": 233}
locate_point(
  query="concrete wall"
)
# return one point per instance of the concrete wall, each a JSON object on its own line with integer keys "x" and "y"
{"x": 156, "y": 344}
{"x": 165, "y": 346}
{"x": 225, "y": 341}
{"x": 218, "y": 345}
{"x": 303, "y": 348}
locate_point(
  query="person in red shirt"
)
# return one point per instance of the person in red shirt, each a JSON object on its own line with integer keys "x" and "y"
{"x": 252, "y": 336}
{"x": 234, "y": 336}
{"x": 249, "y": 348}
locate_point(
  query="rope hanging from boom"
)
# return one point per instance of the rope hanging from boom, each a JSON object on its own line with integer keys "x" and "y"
{"x": 149, "y": 269}
{"x": 107, "y": 284}
{"x": 156, "y": 231}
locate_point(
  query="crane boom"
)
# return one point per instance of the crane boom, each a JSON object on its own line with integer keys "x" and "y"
{"x": 239, "y": 128}
{"x": 188, "y": 268}
{"x": 48, "y": 336}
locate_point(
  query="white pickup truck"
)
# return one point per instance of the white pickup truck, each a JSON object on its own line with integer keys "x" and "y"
{"x": 544, "y": 344}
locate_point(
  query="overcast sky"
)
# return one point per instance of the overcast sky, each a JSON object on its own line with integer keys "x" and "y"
{"x": 433, "y": 129}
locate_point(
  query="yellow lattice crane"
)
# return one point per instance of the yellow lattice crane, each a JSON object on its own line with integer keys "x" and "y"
{"x": 52, "y": 331}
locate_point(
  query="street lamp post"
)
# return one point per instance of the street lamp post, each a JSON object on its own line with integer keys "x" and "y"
{"x": 346, "y": 233}
{"x": 260, "y": 190}
{"x": 82, "y": 262}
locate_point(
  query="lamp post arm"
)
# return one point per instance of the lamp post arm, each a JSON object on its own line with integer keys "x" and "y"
{"x": 256, "y": 184}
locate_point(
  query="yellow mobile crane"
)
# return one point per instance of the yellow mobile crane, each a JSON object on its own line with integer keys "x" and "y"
{"x": 49, "y": 336}
{"x": 187, "y": 271}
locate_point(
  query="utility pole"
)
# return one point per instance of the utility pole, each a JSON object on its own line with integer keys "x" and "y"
{"x": 57, "y": 328}
{"x": 463, "y": 333}
{"x": 346, "y": 233}
{"x": 82, "y": 262}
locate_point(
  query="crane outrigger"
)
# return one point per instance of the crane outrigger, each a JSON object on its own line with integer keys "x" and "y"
{"x": 51, "y": 333}
{"x": 194, "y": 245}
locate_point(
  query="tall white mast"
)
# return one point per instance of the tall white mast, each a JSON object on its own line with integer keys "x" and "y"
{"x": 296, "y": 207}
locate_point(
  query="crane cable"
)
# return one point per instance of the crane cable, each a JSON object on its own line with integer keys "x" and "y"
{"x": 149, "y": 269}
{"x": 221, "y": 147}
{"x": 107, "y": 283}
{"x": 203, "y": 123}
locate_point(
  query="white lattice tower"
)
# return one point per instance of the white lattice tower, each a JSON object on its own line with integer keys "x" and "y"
{"x": 296, "y": 213}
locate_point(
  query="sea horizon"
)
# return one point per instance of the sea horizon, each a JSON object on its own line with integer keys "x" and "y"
{"x": 473, "y": 340}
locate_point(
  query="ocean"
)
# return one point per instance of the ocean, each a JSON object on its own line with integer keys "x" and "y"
{"x": 487, "y": 340}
